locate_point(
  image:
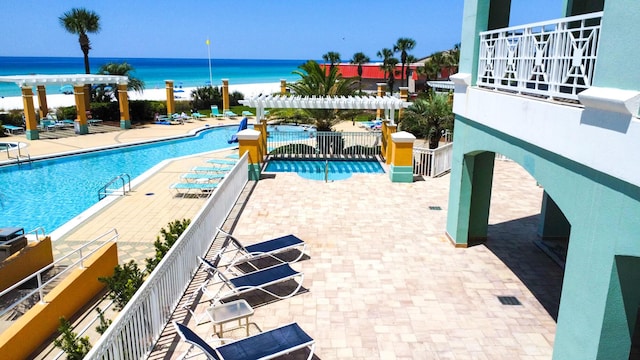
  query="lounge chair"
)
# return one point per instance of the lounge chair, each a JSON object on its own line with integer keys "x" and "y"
{"x": 202, "y": 176}
{"x": 201, "y": 169}
{"x": 205, "y": 188}
{"x": 265, "y": 248}
{"x": 265, "y": 345}
{"x": 215, "y": 112}
{"x": 234, "y": 284}
{"x": 196, "y": 115}
{"x": 222, "y": 161}
{"x": 247, "y": 113}
{"x": 12, "y": 129}
{"x": 230, "y": 114}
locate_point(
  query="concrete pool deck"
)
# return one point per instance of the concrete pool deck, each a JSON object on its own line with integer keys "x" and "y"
{"x": 382, "y": 280}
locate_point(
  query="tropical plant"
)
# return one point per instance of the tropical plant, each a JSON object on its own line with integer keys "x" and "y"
{"x": 80, "y": 21}
{"x": 169, "y": 237}
{"x": 403, "y": 45}
{"x": 454, "y": 58}
{"x": 410, "y": 60}
{"x": 391, "y": 70}
{"x": 75, "y": 347}
{"x": 104, "y": 323}
{"x": 359, "y": 59}
{"x": 314, "y": 80}
{"x": 332, "y": 58}
{"x": 204, "y": 97}
{"x": 426, "y": 118}
{"x": 124, "y": 283}
{"x": 388, "y": 65}
{"x": 110, "y": 90}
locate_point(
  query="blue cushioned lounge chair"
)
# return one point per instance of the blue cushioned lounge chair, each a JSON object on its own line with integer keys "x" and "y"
{"x": 204, "y": 188}
{"x": 266, "y": 345}
{"x": 202, "y": 176}
{"x": 222, "y": 161}
{"x": 270, "y": 248}
{"x": 215, "y": 112}
{"x": 200, "y": 169}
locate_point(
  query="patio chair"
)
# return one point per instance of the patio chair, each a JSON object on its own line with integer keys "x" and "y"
{"x": 265, "y": 345}
{"x": 230, "y": 114}
{"x": 196, "y": 115}
{"x": 222, "y": 161}
{"x": 201, "y": 169}
{"x": 195, "y": 177}
{"x": 267, "y": 248}
{"x": 215, "y": 112}
{"x": 247, "y": 113}
{"x": 205, "y": 188}
{"x": 237, "y": 284}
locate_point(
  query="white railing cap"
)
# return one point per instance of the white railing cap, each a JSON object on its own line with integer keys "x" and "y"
{"x": 403, "y": 137}
{"x": 248, "y": 134}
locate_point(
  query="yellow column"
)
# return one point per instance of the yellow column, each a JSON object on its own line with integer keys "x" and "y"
{"x": 171, "y": 102}
{"x": 81, "y": 126}
{"x": 123, "y": 99}
{"x": 404, "y": 96}
{"x": 283, "y": 87}
{"x": 42, "y": 101}
{"x": 391, "y": 129}
{"x": 225, "y": 95}
{"x": 29, "y": 114}
{"x": 258, "y": 127}
{"x": 265, "y": 150}
{"x": 381, "y": 93}
{"x": 249, "y": 142}
{"x": 401, "y": 169}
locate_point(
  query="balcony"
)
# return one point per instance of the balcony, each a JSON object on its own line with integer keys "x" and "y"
{"x": 552, "y": 59}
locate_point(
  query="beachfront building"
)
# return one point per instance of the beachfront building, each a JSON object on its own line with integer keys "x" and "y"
{"x": 560, "y": 98}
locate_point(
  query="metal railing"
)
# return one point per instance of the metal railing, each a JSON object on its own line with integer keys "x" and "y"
{"x": 324, "y": 144}
{"x": 107, "y": 190}
{"x": 432, "y": 162}
{"x": 139, "y": 325}
{"x": 553, "y": 58}
{"x": 45, "y": 282}
{"x": 19, "y": 157}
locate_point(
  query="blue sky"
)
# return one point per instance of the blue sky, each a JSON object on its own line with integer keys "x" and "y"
{"x": 245, "y": 29}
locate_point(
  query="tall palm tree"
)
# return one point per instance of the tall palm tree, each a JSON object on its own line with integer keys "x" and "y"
{"x": 81, "y": 21}
{"x": 454, "y": 59}
{"x": 403, "y": 45}
{"x": 360, "y": 58}
{"x": 410, "y": 60}
{"x": 123, "y": 69}
{"x": 390, "y": 68}
{"x": 332, "y": 58}
{"x": 386, "y": 54}
{"x": 314, "y": 80}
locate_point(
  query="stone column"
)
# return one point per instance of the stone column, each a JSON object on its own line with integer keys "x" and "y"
{"x": 249, "y": 141}
{"x": 402, "y": 157}
{"x": 391, "y": 129}
{"x": 123, "y": 98}
{"x": 29, "y": 114}
{"x": 171, "y": 102}
{"x": 381, "y": 93}
{"x": 80, "y": 126}
{"x": 263, "y": 130}
{"x": 225, "y": 95}
{"x": 283, "y": 87}
{"x": 404, "y": 96}
{"x": 42, "y": 101}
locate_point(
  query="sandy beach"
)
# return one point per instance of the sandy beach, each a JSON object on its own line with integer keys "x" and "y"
{"x": 58, "y": 100}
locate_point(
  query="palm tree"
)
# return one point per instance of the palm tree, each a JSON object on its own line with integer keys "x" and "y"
{"x": 410, "y": 60}
{"x": 387, "y": 54}
{"x": 314, "y": 80}
{"x": 454, "y": 59}
{"x": 428, "y": 117}
{"x": 123, "y": 69}
{"x": 390, "y": 68}
{"x": 360, "y": 58}
{"x": 81, "y": 21}
{"x": 403, "y": 45}
{"x": 332, "y": 58}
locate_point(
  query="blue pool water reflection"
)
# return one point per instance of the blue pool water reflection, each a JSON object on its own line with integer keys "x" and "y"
{"x": 315, "y": 169}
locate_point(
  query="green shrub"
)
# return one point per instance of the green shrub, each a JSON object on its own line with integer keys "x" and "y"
{"x": 124, "y": 283}
{"x": 75, "y": 347}
{"x": 169, "y": 237}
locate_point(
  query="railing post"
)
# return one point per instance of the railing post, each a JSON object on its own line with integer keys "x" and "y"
{"x": 391, "y": 129}
{"x": 402, "y": 157}
{"x": 249, "y": 141}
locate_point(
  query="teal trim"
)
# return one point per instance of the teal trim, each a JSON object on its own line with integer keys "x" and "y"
{"x": 82, "y": 129}
{"x": 481, "y": 181}
{"x": 476, "y": 18}
{"x": 402, "y": 174}
{"x": 32, "y": 134}
{"x": 553, "y": 224}
{"x": 594, "y": 310}
{"x": 254, "y": 172}
{"x": 125, "y": 124}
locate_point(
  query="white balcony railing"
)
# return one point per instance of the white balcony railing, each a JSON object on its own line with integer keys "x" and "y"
{"x": 136, "y": 329}
{"x": 552, "y": 59}
{"x": 432, "y": 162}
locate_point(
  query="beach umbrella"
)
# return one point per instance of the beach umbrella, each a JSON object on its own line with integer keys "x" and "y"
{"x": 66, "y": 89}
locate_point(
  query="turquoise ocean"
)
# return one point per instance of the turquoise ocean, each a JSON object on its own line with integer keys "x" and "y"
{"x": 184, "y": 72}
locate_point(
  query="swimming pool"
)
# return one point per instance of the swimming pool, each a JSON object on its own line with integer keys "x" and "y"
{"x": 315, "y": 169}
{"x": 50, "y": 192}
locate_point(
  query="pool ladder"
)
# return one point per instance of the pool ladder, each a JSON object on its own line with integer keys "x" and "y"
{"x": 19, "y": 157}
{"x": 125, "y": 179}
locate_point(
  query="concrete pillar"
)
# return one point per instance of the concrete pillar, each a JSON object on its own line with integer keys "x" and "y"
{"x": 265, "y": 134}
{"x": 42, "y": 101}
{"x": 391, "y": 129}
{"x": 553, "y": 225}
{"x": 381, "y": 93}
{"x": 81, "y": 126}
{"x": 123, "y": 99}
{"x": 263, "y": 130}
{"x": 29, "y": 114}
{"x": 404, "y": 96}
{"x": 225, "y": 95}
{"x": 171, "y": 101}
{"x": 283, "y": 87}
{"x": 249, "y": 141}
{"x": 402, "y": 157}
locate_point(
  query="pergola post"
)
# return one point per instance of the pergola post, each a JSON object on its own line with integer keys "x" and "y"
{"x": 170, "y": 98}
{"x": 404, "y": 96}
{"x": 225, "y": 95}
{"x": 249, "y": 141}
{"x": 42, "y": 101}
{"x": 401, "y": 169}
{"x": 29, "y": 114}
{"x": 283, "y": 87}
{"x": 80, "y": 125}
{"x": 123, "y": 98}
{"x": 391, "y": 130}
{"x": 381, "y": 93}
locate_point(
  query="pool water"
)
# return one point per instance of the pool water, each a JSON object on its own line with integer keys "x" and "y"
{"x": 50, "y": 192}
{"x": 315, "y": 169}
